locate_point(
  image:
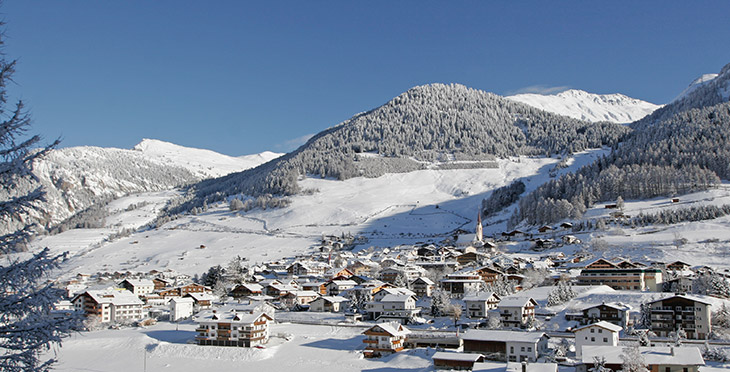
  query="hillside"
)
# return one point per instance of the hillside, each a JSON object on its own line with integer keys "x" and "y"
{"x": 582, "y": 105}
{"x": 683, "y": 147}
{"x": 77, "y": 178}
{"x": 426, "y": 126}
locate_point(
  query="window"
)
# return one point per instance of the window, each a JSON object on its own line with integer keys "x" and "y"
{"x": 605, "y": 339}
{"x": 593, "y": 330}
{"x": 529, "y": 349}
{"x": 600, "y": 330}
{"x": 593, "y": 339}
{"x": 511, "y": 349}
{"x": 522, "y": 348}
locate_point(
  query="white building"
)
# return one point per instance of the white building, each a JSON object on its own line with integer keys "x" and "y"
{"x": 332, "y": 304}
{"x": 232, "y": 328}
{"x": 181, "y": 308}
{"x": 109, "y": 305}
{"x": 514, "y": 346}
{"x": 139, "y": 287}
{"x": 384, "y": 338}
{"x": 597, "y": 334}
{"x": 517, "y": 311}
{"x": 399, "y": 307}
{"x": 478, "y": 304}
{"x": 660, "y": 359}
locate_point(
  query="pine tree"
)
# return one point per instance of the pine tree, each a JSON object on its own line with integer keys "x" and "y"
{"x": 26, "y": 298}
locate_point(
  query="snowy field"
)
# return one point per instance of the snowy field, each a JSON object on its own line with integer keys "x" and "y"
{"x": 161, "y": 347}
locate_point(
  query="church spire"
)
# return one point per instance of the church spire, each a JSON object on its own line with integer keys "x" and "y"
{"x": 479, "y": 233}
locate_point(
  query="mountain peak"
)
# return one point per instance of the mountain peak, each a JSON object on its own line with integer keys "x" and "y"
{"x": 579, "y": 104}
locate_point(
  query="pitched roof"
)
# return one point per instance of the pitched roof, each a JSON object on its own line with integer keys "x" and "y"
{"x": 392, "y": 328}
{"x": 466, "y": 357}
{"x": 686, "y": 297}
{"x": 652, "y": 355}
{"x": 514, "y": 367}
{"x": 113, "y": 297}
{"x": 481, "y": 296}
{"x": 516, "y": 301}
{"x": 498, "y": 335}
{"x": 603, "y": 324}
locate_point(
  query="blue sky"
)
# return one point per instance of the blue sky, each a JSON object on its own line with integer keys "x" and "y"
{"x": 243, "y": 77}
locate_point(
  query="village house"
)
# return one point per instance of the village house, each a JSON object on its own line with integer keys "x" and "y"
{"x": 658, "y": 359}
{"x": 517, "y": 311}
{"x": 384, "y": 339}
{"x": 422, "y": 286}
{"x": 682, "y": 284}
{"x": 331, "y": 304}
{"x": 597, "y": 334}
{"x": 300, "y": 298}
{"x": 489, "y": 274}
{"x": 471, "y": 257}
{"x": 185, "y": 289}
{"x": 393, "y": 307}
{"x": 458, "y": 284}
{"x": 689, "y": 313}
{"x": 319, "y": 287}
{"x": 338, "y": 274}
{"x": 478, "y": 304}
{"x": 622, "y": 275}
{"x": 308, "y": 268}
{"x": 109, "y": 305}
{"x": 181, "y": 308}
{"x": 615, "y": 313}
{"x": 501, "y": 345}
{"x": 455, "y": 361}
{"x": 335, "y": 287}
{"x": 246, "y": 290}
{"x": 232, "y": 328}
{"x": 201, "y": 301}
{"x": 161, "y": 283}
{"x": 277, "y": 289}
{"x": 139, "y": 287}
{"x": 514, "y": 367}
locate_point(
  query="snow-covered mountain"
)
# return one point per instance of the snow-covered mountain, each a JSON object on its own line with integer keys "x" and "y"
{"x": 76, "y": 178}
{"x": 202, "y": 163}
{"x": 696, "y": 83}
{"x": 579, "y": 104}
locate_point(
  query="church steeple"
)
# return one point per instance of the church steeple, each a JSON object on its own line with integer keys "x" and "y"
{"x": 479, "y": 234}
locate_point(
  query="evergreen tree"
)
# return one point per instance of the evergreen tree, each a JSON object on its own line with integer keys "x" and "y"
{"x": 633, "y": 361}
{"x": 26, "y": 295}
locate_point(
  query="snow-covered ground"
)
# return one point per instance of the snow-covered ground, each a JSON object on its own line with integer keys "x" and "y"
{"x": 390, "y": 210}
{"x": 161, "y": 347}
{"x": 579, "y": 104}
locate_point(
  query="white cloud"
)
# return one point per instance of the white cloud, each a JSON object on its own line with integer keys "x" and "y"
{"x": 539, "y": 89}
{"x": 294, "y": 142}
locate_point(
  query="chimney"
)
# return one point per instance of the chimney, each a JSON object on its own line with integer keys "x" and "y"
{"x": 524, "y": 366}
{"x": 671, "y": 350}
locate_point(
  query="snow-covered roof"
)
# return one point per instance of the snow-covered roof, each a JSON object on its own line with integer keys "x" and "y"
{"x": 465, "y": 357}
{"x": 114, "y": 297}
{"x": 482, "y": 296}
{"x": 516, "y": 301}
{"x": 343, "y": 283}
{"x": 424, "y": 279}
{"x": 139, "y": 282}
{"x": 180, "y": 300}
{"x": 684, "y": 355}
{"x": 498, "y": 335}
{"x": 230, "y": 316}
{"x": 603, "y": 324}
{"x": 686, "y": 297}
{"x": 514, "y": 367}
{"x": 615, "y": 305}
{"x": 198, "y": 296}
{"x": 396, "y": 298}
{"x": 332, "y": 299}
{"x": 392, "y": 328}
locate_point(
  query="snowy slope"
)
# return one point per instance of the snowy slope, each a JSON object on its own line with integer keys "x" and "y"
{"x": 579, "y": 104}
{"x": 203, "y": 163}
{"x": 76, "y": 178}
{"x": 695, "y": 84}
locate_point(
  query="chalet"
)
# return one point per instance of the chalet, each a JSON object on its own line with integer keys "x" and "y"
{"x": 622, "y": 275}
{"x": 181, "y": 308}
{"x": 389, "y": 290}
{"x": 469, "y": 257}
{"x": 514, "y": 367}
{"x": 335, "y": 287}
{"x": 478, "y": 304}
{"x": 341, "y": 273}
{"x": 455, "y": 361}
{"x": 246, "y": 290}
{"x": 277, "y": 289}
{"x": 361, "y": 267}
{"x": 423, "y": 286}
{"x": 689, "y": 313}
{"x": 201, "y": 301}
{"x": 544, "y": 229}
{"x": 489, "y": 274}
{"x": 300, "y": 298}
{"x": 659, "y": 359}
{"x": 505, "y": 345}
{"x": 612, "y": 312}
{"x": 332, "y": 304}
{"x": 384, "y": 339}
{"x": 161, "y": 283}
{"x": 318, "y": 287}
{"x": 517, "y": 311}
{"x": 400, "y": 308}
{"x": 596, "y": 334}
{"x": 566, "y": 225}
{"x": 109, "y": 305}
{"x": 138, "y": 286}
{"x": 308, "y": 268}
{"x": 232, "y": 328}
{"x": 408, "y": 272}
{"x": 678, "y": 266}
